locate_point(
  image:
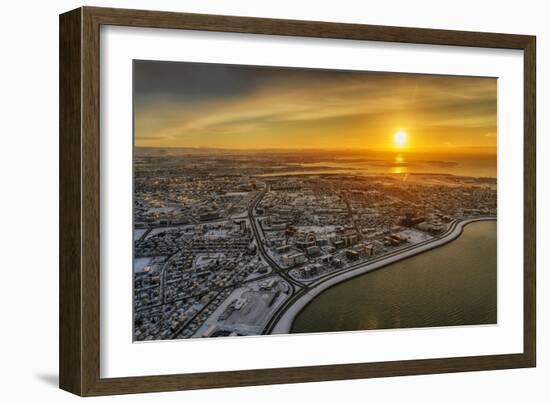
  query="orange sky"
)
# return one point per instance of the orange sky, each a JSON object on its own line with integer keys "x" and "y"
{"x": 244, "y": 107}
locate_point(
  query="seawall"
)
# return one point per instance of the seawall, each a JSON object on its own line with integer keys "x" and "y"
{"x": 284, "y": 324}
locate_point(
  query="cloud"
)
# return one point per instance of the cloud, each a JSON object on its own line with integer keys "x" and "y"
{"x": 290, "y": 108}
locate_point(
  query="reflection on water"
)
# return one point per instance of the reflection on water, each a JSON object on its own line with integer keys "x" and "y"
{"x": 400, "y": 165}
{"x": 480, "y": 165}
{"x": 455, "y": 284}
{"x": 398, "y": 170}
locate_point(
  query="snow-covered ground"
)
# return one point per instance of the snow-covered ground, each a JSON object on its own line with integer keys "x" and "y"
{"x": 414, "y": 235}
{"x": 138, "y": 233}
{"x": 249, "y": 319}
{"x": 217, "y": 233}
{"x": 164, "y": 229}
{"x": 154, "y": 262}
{"x": 160, "y": 210}
{"x": 140, "y": 263}
{"x": 203, "y": 261}
{"x": 255, "y": 274}
{"x": 318, "y": 229}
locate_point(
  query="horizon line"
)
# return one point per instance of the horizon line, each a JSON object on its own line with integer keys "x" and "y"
{"x": 450, "y": 149}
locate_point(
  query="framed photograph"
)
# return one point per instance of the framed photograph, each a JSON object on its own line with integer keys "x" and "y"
{"x": 249, "y": 201}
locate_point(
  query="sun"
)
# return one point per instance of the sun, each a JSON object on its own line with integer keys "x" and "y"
{"x": 400, "y": 139}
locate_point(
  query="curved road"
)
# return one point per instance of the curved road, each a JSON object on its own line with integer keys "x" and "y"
{"x": 301, "y": 293}
{"x": 281, "y": 321}
{"x": 295, "y": 284}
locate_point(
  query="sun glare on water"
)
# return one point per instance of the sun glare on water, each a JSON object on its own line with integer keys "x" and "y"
{"x": 400, "y": 139}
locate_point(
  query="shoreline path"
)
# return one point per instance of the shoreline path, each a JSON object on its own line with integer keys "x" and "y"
{"x": 281, "y": 322}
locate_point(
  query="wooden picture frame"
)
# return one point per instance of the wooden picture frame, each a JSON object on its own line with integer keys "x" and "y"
{"x": 79, "y": 348}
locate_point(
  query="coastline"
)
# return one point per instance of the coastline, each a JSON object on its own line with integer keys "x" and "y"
{"x": 285, "y": 322}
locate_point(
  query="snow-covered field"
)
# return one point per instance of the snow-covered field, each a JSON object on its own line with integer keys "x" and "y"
{"x": 154, "y": 262}
{"x": 251, "y": 318}
{"x": 414, "y": 236}
{"x": 255, "y": 274}
{"x": 318, "y": 229}
{"x": 140, "y": 263}
{"x": 138, "y": 233}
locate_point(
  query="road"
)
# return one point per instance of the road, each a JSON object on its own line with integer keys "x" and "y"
{"x": 350, "y": 212}
{"x": 294, "y": 284}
